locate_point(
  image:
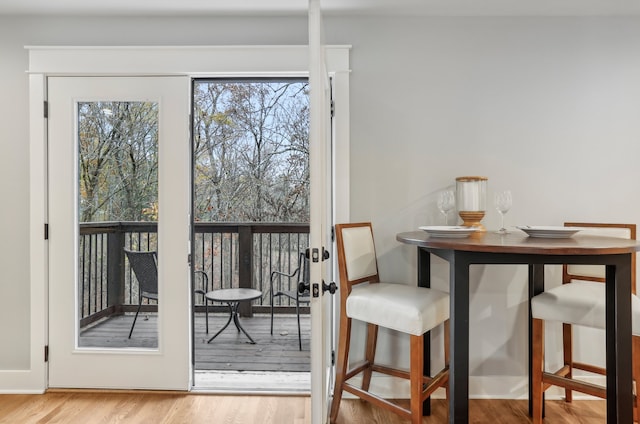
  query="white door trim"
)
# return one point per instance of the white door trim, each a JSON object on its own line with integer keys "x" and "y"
{"x": 194, "y": 61}
{"x": 33, "y": 380}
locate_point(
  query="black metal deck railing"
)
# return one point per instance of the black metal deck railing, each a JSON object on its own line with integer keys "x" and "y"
{"x": 231, "y": 254}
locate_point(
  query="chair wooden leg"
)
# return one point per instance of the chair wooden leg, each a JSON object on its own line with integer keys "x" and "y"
{"x": 342, "y": 362}
{"x": 636, "y": 377}
{"x": 369, "y": 355}
{"x": 567, "y": 349}
{"x": 416, "y": 377}
{"x": 538, "y": 369}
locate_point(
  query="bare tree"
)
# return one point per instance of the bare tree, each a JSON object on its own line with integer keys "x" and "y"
{"x": 263, "y": 127}
{"x": 117, "y": 155}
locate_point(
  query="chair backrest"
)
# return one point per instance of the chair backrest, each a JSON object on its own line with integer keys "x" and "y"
{"x": 356, "y": 255}
{"x": 145, "y": 267}
{"x": 597, "y": 272}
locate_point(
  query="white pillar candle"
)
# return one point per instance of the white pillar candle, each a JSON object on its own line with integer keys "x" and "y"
{"x": 471, "y": 193}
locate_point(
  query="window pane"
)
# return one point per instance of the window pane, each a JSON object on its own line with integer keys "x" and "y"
{"x": 251, "y": 151}
{"x": 117, "y": 210}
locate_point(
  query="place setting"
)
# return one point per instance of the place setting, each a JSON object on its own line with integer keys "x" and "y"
{"x": 503, "y": 202}
{"x": 469, "y": 199}
{"x": 446, "y": 203}
{"x": 542, "y": 231}
{"x": 448, "y": 231}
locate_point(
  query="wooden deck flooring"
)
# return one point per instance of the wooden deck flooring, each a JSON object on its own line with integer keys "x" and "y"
{"x": 230, "y": 351}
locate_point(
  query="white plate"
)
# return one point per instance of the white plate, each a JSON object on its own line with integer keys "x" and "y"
{"x": 549, "y": 232}
{"x": 448, "y": 231}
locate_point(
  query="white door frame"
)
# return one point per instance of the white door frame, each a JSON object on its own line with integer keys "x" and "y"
{"x": 193, "y": 61}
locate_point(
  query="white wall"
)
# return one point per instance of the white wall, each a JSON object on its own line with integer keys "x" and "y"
{"x": 547, "y": 107}
{"x": 14, "y": 185}
{"x": 532, "y": 103}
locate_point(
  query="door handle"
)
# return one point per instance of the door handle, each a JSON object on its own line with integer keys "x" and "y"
{"x": 303, "y": 287}
{"x": 331, "y": 287}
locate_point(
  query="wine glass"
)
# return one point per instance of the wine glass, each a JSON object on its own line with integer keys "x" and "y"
{"x": 446, "y": 202}
{"x": 503, "y": 202}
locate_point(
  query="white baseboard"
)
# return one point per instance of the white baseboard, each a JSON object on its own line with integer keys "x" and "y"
{"x": 21, "y": 392}
{"x": 21, "y": 382}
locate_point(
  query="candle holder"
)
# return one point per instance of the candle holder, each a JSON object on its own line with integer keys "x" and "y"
{"x": 471, "y": 199}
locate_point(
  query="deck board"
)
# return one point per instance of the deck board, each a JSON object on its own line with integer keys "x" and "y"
{"x": 230, "y": 351}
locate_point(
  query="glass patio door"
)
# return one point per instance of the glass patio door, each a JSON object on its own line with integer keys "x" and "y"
{"x": 118, "y": 196}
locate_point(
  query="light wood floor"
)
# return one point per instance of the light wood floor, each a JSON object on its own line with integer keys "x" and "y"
{"x": 160, "y": 408}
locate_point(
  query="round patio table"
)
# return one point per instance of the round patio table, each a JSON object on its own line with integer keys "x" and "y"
{"x": 233, "y": 297}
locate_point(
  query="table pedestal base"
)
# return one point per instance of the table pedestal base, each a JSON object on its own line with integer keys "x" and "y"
{"x": 233, "y": 309}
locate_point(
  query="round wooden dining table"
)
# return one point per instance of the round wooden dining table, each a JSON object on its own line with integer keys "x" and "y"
{"x": 518, "y": 248}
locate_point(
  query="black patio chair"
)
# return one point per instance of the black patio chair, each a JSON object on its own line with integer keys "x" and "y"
{"x": 292, "y": 292}
{"x": 203, "y": 291}
{"x": 145, "y": 268}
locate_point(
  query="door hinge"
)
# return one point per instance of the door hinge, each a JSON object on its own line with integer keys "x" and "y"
{"x": 189, "y": 259}
{"x": 46, "y": 353}
{"x": 333, "y": 357}
{"x": 46, "y": 109}
{"x": 333, "y": 233}
{"x": 333, "y": 108}
{"x": 46, "y": 231}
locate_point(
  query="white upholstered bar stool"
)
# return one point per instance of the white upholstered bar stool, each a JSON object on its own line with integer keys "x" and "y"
{"x": 579, "y": 300}
{"x": 405, "y": 308}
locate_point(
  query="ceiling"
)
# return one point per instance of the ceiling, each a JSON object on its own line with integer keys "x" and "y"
{"x": 330, "y": 7}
